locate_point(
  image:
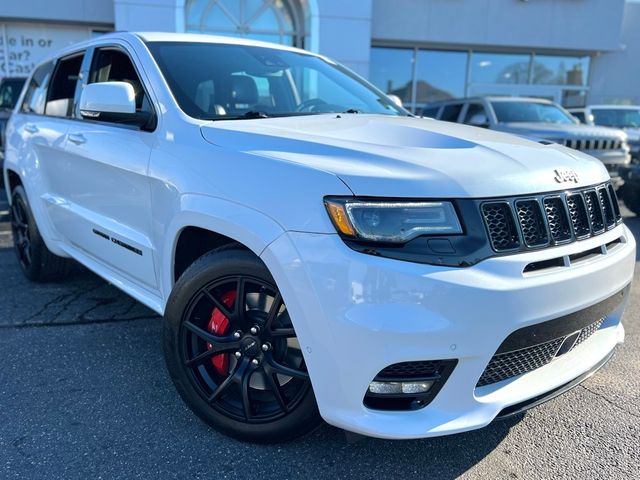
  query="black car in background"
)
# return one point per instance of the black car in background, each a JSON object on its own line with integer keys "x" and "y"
{"x": 10, "y": 89}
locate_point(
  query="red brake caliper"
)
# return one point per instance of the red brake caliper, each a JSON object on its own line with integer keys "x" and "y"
{"x": 218, "y": 325}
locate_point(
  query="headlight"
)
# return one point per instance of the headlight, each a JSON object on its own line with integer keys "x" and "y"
{"x": 392, "y": 221}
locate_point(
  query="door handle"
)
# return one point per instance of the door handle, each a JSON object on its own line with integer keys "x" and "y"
{"x": 77, "y": 138}
{"x": 31, "y": 128}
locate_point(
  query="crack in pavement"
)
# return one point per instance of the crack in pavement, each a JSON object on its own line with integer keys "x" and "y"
{"x": 610, "y": 402}
{"x": 97, "y": 321}
{"x": 54, "y": 310}
{"x": 72, "y": 296}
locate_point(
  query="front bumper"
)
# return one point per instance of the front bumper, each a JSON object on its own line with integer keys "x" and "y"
{"x": 356, "y": 314}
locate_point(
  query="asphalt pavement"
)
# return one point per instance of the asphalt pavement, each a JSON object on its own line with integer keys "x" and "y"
{"x": 84, "y": 394}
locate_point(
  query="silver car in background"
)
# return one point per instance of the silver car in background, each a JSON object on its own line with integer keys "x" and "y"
{"x": 538, "y": 119}
{"x": 625, "y": 117}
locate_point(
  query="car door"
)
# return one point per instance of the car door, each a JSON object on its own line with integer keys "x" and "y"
{"x": 106, "y": 194}
{"x": 40, "y": 136}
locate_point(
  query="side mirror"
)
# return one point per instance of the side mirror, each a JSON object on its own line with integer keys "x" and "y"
{"x": 479, "y": 120}
{"x": 395, "y": 99}
{"x": 111, "y": 102}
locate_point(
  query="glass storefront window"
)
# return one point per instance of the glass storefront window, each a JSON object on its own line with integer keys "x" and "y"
{"x": 444, "y": 74}
{"x": 499, "y": 68}
{"x": 274, "y": 21}
{"x": 392, "y": 72}
{"x": 574, "y": 98}
{"x": 440, "y": 75}
{"x": 553, "y": 70}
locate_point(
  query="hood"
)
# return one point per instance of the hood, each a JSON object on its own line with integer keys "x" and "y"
{"x": 384, "y": 156}
{"x": 555, "y": 131}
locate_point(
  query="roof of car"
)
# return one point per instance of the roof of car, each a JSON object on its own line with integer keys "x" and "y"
{"x": 204, "y": 38}
{"x": 168, "y": 37}
{"x": 490, "y": 99}
{"x": 521, "y": 99}
{"x": 617, "y": 107}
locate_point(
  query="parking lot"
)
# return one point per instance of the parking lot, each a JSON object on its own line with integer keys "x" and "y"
{"x": 84, "y": 394}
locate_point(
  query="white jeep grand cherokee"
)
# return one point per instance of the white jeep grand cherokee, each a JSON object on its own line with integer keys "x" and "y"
{"x": 315, "y": 250}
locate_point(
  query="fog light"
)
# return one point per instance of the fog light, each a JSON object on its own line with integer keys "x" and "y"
{"x": 396, "y": 388}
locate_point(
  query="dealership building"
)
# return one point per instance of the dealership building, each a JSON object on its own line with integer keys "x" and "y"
{"x": 571, "y": 51}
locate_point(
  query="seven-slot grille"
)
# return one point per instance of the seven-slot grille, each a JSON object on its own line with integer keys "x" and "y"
{"x": 550, "y": 219}
{"x": 593, "y": 144}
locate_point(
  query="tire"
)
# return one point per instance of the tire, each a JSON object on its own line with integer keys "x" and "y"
{"x": 631, "y": 198}
{"x": 36, "y": 261}
{"x": 255, "y": 386}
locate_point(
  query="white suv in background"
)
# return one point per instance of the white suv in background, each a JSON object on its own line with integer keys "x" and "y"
{"x": 316, "y": 251}
{"x": 625, "y": 117}
{"x": 540, "y": 120}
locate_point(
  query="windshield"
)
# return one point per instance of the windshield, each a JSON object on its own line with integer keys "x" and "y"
{"x": 530, "y": 112}
{"x": 616, "y": 117}
{"x": 9, "y": 92}
{"x": 224, "y": 81}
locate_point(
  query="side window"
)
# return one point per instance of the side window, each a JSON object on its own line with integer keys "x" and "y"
{"x": 476, "y": 115}
{"x": 34, "y": 98}
{"x": 63, "y": 87}
{"x": 114, "y": 65}
{"x": 450, "y": 113}
{"x": 579, "y": 116}
{"x": 430, "y": 112}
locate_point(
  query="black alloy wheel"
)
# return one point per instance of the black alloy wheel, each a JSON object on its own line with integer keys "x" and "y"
{"x": 37, "y": 262}
{"x": 21, "y": 232}
{"x": 233, "y": 352}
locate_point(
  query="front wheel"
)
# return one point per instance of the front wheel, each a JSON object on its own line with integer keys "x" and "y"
{"x": 232, "y": 351}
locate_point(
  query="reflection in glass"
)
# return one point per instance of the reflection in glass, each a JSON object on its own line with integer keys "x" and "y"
{"x": 574, "y": 98}
{"x": 499, "y": 68}
{"x": 440, "y": 75}
{"x": 391, "y": 70}
{"x": 268, "y": 20}
{"x": 553, "y": 70}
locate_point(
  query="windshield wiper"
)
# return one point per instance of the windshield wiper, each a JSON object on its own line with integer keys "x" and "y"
{"x": 352, "y": 110}
{"x": 248, "y": 115}
{"x": 255, "y": 114}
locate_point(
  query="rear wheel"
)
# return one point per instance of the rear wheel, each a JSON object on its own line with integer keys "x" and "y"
{"x": 232, "y": 351}
{"x": 36, "y": 260}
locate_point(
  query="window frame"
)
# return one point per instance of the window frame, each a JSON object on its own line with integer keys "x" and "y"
{"x": 465, "y": 111}
{"x": 55, "y": 61}
{"x": 23, "y": 95}
{"x": 79, "y": 81}
{"x": 83, "y": 78}
{"x": 580, "y": 112}
{"x": 459, "y": 103}
{"x": 85, "y": 74}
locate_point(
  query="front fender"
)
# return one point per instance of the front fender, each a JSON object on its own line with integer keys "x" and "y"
{"x": 243, "y": 224}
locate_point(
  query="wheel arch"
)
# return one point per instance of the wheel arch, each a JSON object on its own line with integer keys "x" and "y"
{"x": 205, "y": 223}
{"x": 12, "y": 180}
